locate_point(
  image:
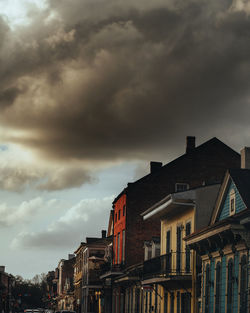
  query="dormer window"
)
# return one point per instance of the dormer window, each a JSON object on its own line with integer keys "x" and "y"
{"x": 232, "y": 202}
{"x": 181, "y": 187}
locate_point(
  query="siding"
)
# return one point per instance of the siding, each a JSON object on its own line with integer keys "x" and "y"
{"x": 239, "y": 204}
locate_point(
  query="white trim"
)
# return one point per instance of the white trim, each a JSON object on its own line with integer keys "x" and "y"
{"x": 164, "y": 206}
{"x": 232, "y": 197}
{"x": 158, "y": 209}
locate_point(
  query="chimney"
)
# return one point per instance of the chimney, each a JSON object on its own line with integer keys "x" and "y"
{"x": 190, "y": 144}
{"x": 104, "y": 233}
{"x": 155, "y": 166}
{"x": 70, "y": 256}
{"x": 2, "y": 269}
{"x": 245, "y": 158}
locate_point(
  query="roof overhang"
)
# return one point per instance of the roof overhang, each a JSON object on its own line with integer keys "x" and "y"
{"x": 167, "y": 206}
{"x": 111, "y": 274}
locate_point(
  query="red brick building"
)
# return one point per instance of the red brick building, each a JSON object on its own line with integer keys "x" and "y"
{"x": 119, "y": 230}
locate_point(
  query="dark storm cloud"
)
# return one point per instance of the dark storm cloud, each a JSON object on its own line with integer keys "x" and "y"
{"x": 104, "y": 80}
{"x": 8, "y": 96}
{"x": 18, "y": 178}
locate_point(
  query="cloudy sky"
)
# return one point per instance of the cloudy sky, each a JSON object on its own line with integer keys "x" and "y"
{"x": 91, "y": 91}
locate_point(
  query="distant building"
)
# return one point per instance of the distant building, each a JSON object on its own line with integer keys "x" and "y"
{"x": 6, "y": 282}
{"x": 78, "y": 273}
{"x": 51, "y": 290}
{"x": 93, "y": 259}
{"x": 65, "y": 286}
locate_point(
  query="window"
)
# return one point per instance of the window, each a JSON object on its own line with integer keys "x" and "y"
{"x": 188, "y": 232}
{"x": 165, "y": 302}
{"x": 232, "y": 202}
{"x": 156, "y": 299}
{"x": 115, "y": 217}
{"x": 207, "y": 288}
{"x": 178, "y": 302}
{"x": 146, "y": 302}
{"x": 168, "y": 251}
{"x": 181, "y": 187}
{"x": 186, "y": 302}
{"x": 123, "y": 210}
{"x": 172, "y": 302}
{"x": 123, "y": 246}
{"x": 114, "y": 249}
{"x": 218, "y": 288}
{"x": 118, "y": 248}
{"x": 150, "y": 301}
{"x": 178, "y": 248}
{"x": 168, "y": 242}
{"x": 119, "y": 214}
{"x": 230, "y": 286}
{"x": 243, "y": 284}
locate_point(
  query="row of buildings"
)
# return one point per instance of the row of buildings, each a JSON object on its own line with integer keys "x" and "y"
{"x": 177, "y": 241}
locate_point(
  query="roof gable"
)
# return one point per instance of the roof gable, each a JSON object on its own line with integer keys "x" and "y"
{"x": 237, "y": 180}
{"x": 225, "y": 205}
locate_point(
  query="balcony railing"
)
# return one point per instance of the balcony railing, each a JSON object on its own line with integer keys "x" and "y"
{"x": 173, "y": 263}
{"x": 92, "y": 278}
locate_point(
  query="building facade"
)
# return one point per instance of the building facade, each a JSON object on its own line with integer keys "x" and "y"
{"x": 93, "y": 260}
{"x": 171, "y": 274}
{"x": 78, "y": 272}
{"x": 202, "y": 165}
{"x": 224, "y": 248}
{"x": 65, "y": 286}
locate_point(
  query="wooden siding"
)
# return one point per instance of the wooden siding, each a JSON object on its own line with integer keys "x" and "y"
{"x": 224, "y": 267}
{"x": 239, "y": 204}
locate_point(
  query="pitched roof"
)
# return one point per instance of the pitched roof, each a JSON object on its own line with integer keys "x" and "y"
{"x": 212, "y": 147}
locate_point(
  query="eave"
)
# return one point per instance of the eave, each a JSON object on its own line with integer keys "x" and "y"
{"x": 166, "y": 206}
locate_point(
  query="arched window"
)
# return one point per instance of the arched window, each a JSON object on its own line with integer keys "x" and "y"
{"x": 230, "y": 285}
{"x": 218, "y": 288}
{"x": 243, "y": 284}
{"x": 207, "y": 288}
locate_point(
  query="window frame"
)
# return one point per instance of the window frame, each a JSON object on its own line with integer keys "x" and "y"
{"x": 232, "y": 200}
{"x": 230, "y": 285}
{"x": 181, "y": 189}
{"x": 218, "y": 286}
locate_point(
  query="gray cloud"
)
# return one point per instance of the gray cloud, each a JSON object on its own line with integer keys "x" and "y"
{"x": 126, "y": 79}
{"x": 65, "y": 178}
{"x": 23, "y": 213}
{"x": 18, "y": 177}
{"x": 79, "y": 221}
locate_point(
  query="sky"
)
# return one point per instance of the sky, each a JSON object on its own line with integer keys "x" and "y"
{"x": 90, "y": 92}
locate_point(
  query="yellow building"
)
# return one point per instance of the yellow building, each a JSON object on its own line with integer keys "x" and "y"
{"x": 169, "y": 281}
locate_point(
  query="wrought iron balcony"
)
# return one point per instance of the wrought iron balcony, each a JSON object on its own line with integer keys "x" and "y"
{"x": 173, "y": 263}
{"x": 108, "y": 270}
